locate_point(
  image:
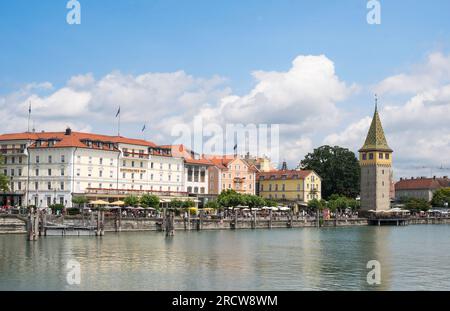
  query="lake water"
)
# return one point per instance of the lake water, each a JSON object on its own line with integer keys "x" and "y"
{"x": 411, "y": 258}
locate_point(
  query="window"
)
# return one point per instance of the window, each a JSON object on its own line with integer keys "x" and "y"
{"x": 100, "y": 173}
{"x": 61, "y": 186}
{"x": 61, "y": 200}
{"x": 19, "y": 186}
{"x": 49, "y": 186}
{"x": 90, "y": 160}
{"x": 78, "y": 172}
{"x": 195, "y": 189}
{"x": 63, "y": 158}
{"x": 371, "y": 156}
{"x": 132, "y": 163}
{"x": 101, "y": 161}
{"x": 141, "y": 164}
{"x": 36, "y": 173}
{"x": 20, "y": 160}
{"x": 261, "y": 188}
{"x": 380, "y": 156}
{"x": 62, "y": 172}
{"x": 13, "y": 160}
{"x": 49, "y": 159}
{"x": 364, "y": 156}
{"x": 89, "y": 172}
{"x": 49, "y": 172}
{"x": 170, "y": 167}
{"x": 19, "y": 172}
{"x": 202, "y": 189}
{"x": 36, "y": 186}
{"x": 111, "y": 174}
{"x": 160, "y": 166}
{"x": 124, "y": 175}
{"x": 12, "y": 172}
{"x": 151, "y": 165}
{"x": 141, "y": 176}
{"x": 78, "y": 159}
{"x": 111, "y": 162}
{"x": 170, "y": 177}
{"x": 151, "y": 176}
{"x": 132, "y": 175}
{"x": 37, "y": 159}
{"x": 387, "y": 156}
{"x": 124, "y": 163}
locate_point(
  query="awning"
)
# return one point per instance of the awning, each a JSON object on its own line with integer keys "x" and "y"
{"x": 118, "y": 203}
{"x": 99, "y": 202}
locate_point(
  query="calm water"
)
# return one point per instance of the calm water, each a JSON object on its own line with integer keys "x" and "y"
{"x": 412, "y": 258}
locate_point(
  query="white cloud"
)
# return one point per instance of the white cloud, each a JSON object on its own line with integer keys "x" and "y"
{"x": 421, "y": 77}
{"x": 418, "y": 128}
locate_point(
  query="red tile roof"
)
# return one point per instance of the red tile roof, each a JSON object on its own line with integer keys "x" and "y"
{"x": 185, "y": 153}
{"x": 422, "y": 183}
{"x": 290, "y": 174}
{"x": 74, "y": 139}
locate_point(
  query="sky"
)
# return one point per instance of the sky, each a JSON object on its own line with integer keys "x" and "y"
{"x": 312, "y": 67}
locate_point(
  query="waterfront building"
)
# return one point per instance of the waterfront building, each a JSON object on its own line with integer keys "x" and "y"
{"x": 290, "y": 186}
{"x": 420, "y": 188}
{"x": 195, "y": 169}
{"x": 51, "y": 167}
{"x": 231, "y": 172}
{"x": 375, "y": 158}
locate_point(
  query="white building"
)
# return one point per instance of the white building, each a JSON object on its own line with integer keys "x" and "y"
{"x": 52, "y": 167}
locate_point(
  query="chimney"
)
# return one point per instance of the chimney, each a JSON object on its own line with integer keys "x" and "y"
{"x": 68, "y": 131}
{"x": 401, "y": 178}
{"x": 284, "y": 166}
{"x": 434, "y": 177}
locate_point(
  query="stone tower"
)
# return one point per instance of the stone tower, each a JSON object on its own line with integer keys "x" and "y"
{"x": 375, "y": 159}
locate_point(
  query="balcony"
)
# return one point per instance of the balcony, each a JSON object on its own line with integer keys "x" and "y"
{"x": 135, "y": 155}
{"x": 12, "y": 151}
{"x": 125, "y": 192}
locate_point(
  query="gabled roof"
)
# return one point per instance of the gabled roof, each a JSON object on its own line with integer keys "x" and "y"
{"x": 422, "y": 184}
{"x": 181, "y": 151}
{"x": 376, "y": 139}
{"x": 72, "y": 139}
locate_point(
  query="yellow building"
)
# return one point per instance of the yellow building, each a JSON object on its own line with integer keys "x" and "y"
{"x": 290, "y": 186}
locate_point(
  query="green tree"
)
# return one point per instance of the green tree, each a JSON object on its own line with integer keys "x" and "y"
{"x": 188, "y": 204}
{"x": 131, "y": 200}
{"x": 148, "y": 200}
{"x": 212, "y": 204}
{"x": 440, "y": 197}
{"x": 270, "y": 203}
{"x": 175, "y": 203}
{"x": 315, "y": 204}
{"x": 4, "y": 182}
{"x": 414, "y": 204}
{"x": 339, "y": 169}
{"x": 79, "y": 200}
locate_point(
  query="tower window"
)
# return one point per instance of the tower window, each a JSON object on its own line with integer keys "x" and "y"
{"x": 364, "y": 156}
{"x": 387, "y": 156}
{"x": 371, "y": 156}
{"x": 380, "y": 156}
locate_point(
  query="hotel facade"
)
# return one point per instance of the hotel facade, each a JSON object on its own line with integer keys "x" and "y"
{"x": 52, "y": 167}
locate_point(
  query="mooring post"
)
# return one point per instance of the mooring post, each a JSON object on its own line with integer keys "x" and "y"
{"x": 170, "y": 224}
{"x": 30, "y": 225}
{"x": 270, "y": 219}
{"x": 235, "y": 219}
{"x": 163, "y": 224}
{"x": 189, "y": 219}
{"x": 254, "y": 220}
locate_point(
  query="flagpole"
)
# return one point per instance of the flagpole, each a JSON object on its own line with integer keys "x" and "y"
{"x": 29, "y": 116}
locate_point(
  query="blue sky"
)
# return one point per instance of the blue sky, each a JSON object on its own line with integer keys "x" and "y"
{"x": 230, "y": 39}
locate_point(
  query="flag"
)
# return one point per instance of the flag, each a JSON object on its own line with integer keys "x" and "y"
{"x": 143, "y": 128}
{"x": 118, "y": 112}
{"x": 235, "y": 147}
{"x": 29, "y": 108}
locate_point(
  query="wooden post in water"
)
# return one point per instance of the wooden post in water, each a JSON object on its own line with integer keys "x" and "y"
{"x": 235, "y": 219}
{"x": 270, "y": 219}
{"x": 254, "y": 220}
{"x": 189, "y": 220}
{"x": 318, "y": 218}
{"x": 170, "y": 224}
{"x": 33, "y": 224}
{"x": 163, "y": 224}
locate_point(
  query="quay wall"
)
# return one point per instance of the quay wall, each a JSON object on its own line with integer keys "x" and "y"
{"x": 11, "y": 224}
{"x": 15, "y": 224}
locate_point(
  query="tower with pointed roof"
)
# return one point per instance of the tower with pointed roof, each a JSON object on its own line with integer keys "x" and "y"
{"x": 375, "y": 158}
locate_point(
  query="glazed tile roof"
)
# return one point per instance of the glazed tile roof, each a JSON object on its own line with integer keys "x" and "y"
{"x": 376, "y": 139}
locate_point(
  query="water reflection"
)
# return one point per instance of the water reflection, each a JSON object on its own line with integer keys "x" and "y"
{"x": 411, "y": 257}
